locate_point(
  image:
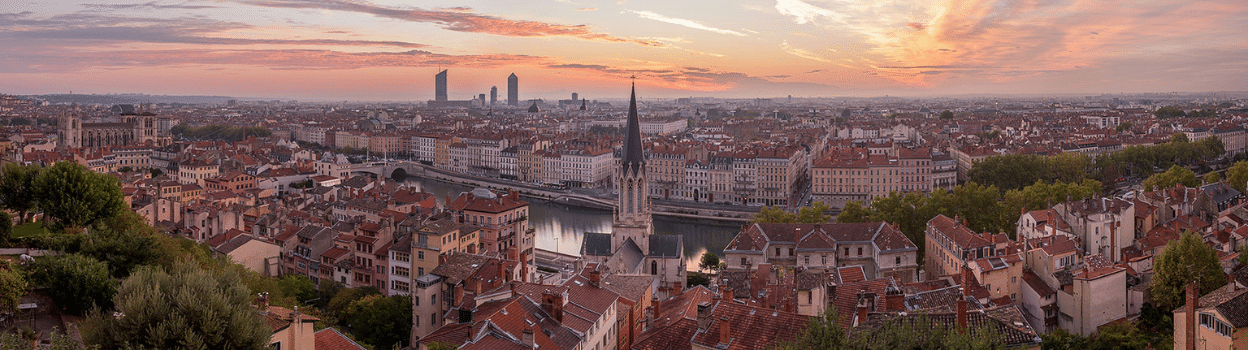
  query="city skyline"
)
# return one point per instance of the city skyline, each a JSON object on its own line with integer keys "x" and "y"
{"x": 340, "y": 50}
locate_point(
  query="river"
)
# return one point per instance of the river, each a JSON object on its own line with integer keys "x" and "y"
{"x": 559, "y": 227}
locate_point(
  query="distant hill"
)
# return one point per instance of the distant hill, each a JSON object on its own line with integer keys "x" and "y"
{"x": 111, "y": 99}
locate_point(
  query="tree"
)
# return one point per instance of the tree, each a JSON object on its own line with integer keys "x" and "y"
{"x": 1124, "y": 126}
{"x": 710, "y": 261}
{"x": 774, "y": 215}
{"x": 1176, "y": 175}
{"x": 1060, "y": 339}
{"x": 853, "y": 212}
{"x": 156, "y": 172}
{"x": 1212, "y": 177}
{"x": 77, "y": 197}
{"x": 124, "y": 243}
{"x": 6, "y": 226}
{"x": 59, "y": 341}
{"x": 946, "y": 115}
{"x": 1178, "y": 137}
{"x": 298, "y": 286}
{"x": 77, "y": 283}
{"x": 18, "y": 191}
{"x": 821, "y": 333}
{"x": 1237, "y": 176}
{"x": 437, "y": 345}
{"x": 12, "y": 285}
{"x": 125, "y": 169}
{"x": 1119, "y": 336}
{"x": 694, "y": 278}
{"x": 1183, "y": 261}
{"x": 1168, "y": 112}
{"x": 383, "y": 322}
{"x": 183, "y": 307}
{"x": 813, "y": 214}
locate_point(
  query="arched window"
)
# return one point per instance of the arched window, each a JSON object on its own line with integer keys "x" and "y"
{"x": 654, "y": 267}
{"x": 629, "y": 195}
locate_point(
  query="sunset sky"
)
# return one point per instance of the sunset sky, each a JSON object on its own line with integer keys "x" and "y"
{"x": 390, "y": 50}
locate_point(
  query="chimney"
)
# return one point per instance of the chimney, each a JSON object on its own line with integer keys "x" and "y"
{"x": 727, "y": 293}
{"x": 648, "y": 318}
{"x": 524, "y": 268}
{"x": 676, "y": 288}
{"x": 442, "y": 259}
{"x": 967, "y": 279}
{"x": 527, "y": 337}
{"x": 553, "y": 303}
{"x": 862, "y": 309}
{"x": 656, "y": 305}
{"x": 513, "y": 285}
{"x": 1193, "y": 302}
{"x": 962, "y": 314}
{"x": 595, "y": 277}
{"x": 459, "y": 294}
{"x": 894, "y": 300}
{"x": 725, "y": 331}
{"x": 1113, "y": 241}
{"x": 264, "y": 303}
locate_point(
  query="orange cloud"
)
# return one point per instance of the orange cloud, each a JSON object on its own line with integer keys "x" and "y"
{"x": 458, "y": 19}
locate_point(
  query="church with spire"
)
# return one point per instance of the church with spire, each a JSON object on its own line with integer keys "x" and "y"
{"x": 632, "y": 247}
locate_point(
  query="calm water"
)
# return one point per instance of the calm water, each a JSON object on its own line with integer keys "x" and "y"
{"x": 560, "y": 227}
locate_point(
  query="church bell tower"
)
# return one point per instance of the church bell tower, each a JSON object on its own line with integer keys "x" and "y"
{"x": 632, "y": 218}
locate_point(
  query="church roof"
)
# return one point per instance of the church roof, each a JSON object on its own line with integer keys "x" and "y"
{"x": 667, "y": 246}
{"x": 596, "y": 244}
{"x": 633, "y": 157}
{"x": 627, "y": 259}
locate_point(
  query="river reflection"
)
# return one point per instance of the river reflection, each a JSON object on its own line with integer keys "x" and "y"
{"x": 560, "y": 227}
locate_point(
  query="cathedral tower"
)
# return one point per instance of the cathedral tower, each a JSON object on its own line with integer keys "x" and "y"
{"x": 632, "y": 218}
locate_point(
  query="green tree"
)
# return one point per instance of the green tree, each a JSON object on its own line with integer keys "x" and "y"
{"x": 125, "y": 169}
{"x": 76, "y": 282}
{"x": 709, "y": 261}
{"x": 156, "y": 172}
{"x": 774, "y": 215}
{"x": 813, "y": 214}
{"x": 1183, "y": 261}
{"x": 1176, "y": 175}
{"x": 184, "y": 307}
{"x": 298, "y": 286}
{"x": 946, "y": 115}
{"x": 1060, "y": 339}
{"x": 1124, "y": 126}
{"x": 1237, "y": 175}
{"x": 58, "y": 341}
{"x": 1119, "y": 336}
{"x": 1179, "y": 137}
{"x": 339, "y": 307}
{"x": 124, "y": 242}
{"x": 12, "y": 285}
{"x": 6, "y": 227}
{"x": 1042, "y": 195}
{"x": 694, "y": 278}
{"x": 853, "y": 212}
{"x": 437, "y": 345}
{"x": 821, "y": 333}
{"x": 77, "y": 197}
{"x": 18, "y": 191}
{"x": 1212, "y": 177}
{"x": 1169, "y": 112}
{"x": 383, "y": 322}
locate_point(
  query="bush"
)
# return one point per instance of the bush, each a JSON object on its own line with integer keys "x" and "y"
{"x": 77, "y": 283}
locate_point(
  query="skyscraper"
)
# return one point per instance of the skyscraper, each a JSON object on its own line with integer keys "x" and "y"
{"x": 493, "y": 95}
{"x": 439, "y": 86}
{"x": 513, "y": 90}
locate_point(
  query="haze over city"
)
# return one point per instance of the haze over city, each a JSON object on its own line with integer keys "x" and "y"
{"x": 390, "y": 50}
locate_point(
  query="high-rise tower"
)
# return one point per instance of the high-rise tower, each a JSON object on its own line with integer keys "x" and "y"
{"x": 493, "y": 95}
{"x": 513, "y": 90}
{"x": 633, "y": 219}
{"x": 439, "y": 86}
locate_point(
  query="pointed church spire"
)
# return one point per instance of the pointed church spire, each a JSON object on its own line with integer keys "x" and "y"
{"x": 633, "y": 158}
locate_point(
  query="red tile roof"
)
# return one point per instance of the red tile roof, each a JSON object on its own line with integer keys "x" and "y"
{"x": 332, "y": 339}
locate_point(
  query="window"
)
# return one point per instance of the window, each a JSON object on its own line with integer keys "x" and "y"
{"x": 420, "y": 256}
{"x": 777, "y": 251}
{"x": 744, "y": 261}
{"x": 1214, "y": 324}
{"x": 654, "y": 268}
{"x": 897, "y": 260}
{"x": 416, "y": 302}
{"x": 859, "y": 251}
{"x": 790, "y": 251}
